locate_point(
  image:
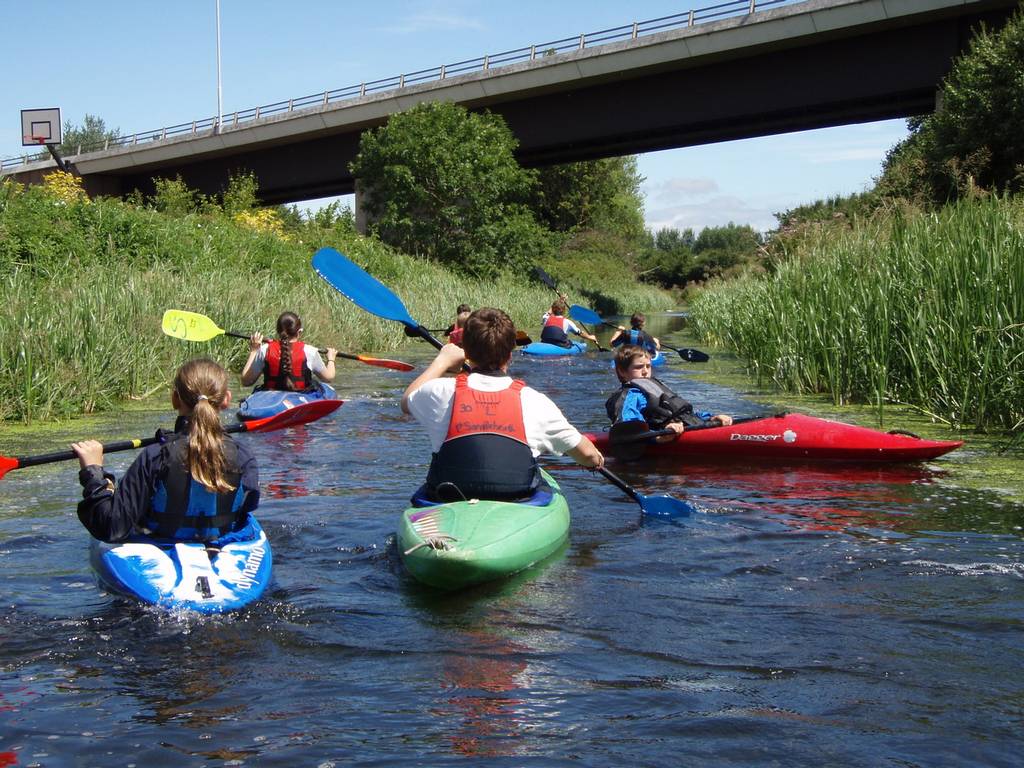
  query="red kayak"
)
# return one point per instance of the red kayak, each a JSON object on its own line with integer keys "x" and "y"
{"x": 793, "y": 437}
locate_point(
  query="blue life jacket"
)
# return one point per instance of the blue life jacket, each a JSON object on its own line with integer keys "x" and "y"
{"x": 638, "y": 339}
{"x": 183, "y": 509}
{"x": 663, "y": 405}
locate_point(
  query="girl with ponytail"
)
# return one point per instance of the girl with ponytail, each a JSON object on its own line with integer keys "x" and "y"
{"x": 197, "y": 484}
{"x": 286, "y": 362}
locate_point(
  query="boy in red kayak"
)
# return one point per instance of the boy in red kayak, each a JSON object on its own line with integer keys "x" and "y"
{"x": 644, "y": 398}
{"x": 486, "y": 430}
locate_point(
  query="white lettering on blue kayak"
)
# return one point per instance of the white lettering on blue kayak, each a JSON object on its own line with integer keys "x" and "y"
{"x": 252, "y": 567}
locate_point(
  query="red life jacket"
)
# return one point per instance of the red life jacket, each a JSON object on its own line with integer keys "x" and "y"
{"x": 485, "y": 454}
{"x": 553, "y": 331}
{"x": 300, "y": 376}
{"x": 455, "y": 337}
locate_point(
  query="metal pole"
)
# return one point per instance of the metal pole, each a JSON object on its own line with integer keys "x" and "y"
{"x": 220, "y": 103}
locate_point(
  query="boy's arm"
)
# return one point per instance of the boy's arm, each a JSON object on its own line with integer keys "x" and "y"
{"x": 449, "y": 358}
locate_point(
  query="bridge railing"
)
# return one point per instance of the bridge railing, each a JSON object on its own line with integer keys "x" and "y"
{"x": 209, "y": 125}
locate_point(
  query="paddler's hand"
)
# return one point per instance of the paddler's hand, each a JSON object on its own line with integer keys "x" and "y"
{"x": 676, "y": 426}
{"x": 725, "y": 421}
{"x": 331, "y": 354}
{"x": 255, "y": 341}
{"x": 90, "y": 453}
{"x": 452, "y": 357}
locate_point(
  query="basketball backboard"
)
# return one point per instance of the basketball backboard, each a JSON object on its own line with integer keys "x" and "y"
{"x": 40, "y": 126}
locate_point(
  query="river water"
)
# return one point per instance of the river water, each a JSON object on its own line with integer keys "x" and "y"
{"x": 818, "y": 616}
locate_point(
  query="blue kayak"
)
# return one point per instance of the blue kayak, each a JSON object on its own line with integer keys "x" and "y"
{"x": 543, "y": 349}
{"x": 264, "y": 403}
{"x": 185, "y": 575}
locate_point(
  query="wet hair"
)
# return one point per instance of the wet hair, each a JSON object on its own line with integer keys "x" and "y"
{"x": 463, "y": 308}
{"x": 489, "y": 338}
{"x": 288, "y": 326}
{"x": 202, "y": 386}
{"x": 558, "y": 308}
{"x": 637, "y": 321}
{"x": 626, "y": 356}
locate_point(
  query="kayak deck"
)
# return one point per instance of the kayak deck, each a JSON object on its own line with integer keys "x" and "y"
{"x": 455, "y": 545}
{"x": 543, "y": 349}
{"x": 794, "y": 437}
{"x": 264, "y": 403}
{"x": 185, "y": 575}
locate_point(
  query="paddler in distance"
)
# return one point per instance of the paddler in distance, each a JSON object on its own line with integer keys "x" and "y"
{"x": 557, "y": 327}
{"x": 287, "y": 363}
{"x": 486, "y": 430}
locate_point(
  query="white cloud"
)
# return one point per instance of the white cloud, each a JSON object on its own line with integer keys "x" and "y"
{"x": 714, "y": 212}
{"x": 673, "y": 189}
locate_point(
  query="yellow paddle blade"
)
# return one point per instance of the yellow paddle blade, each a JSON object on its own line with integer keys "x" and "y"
{"x": 190, "y": 326}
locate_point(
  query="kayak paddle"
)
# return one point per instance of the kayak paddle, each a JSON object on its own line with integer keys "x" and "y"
{"x": 628, "y": 440}
{"x": 656, "y": 506}
{"x": 191, "y": 326}
{"x": 293, "y": 417}
{"x": 522, "y": 338}
{"x": 366, "y": 292}
{"x": 585, "y": 315}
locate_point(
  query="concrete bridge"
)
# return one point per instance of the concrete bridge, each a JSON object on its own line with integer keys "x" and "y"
{"x": 789, "y": 67}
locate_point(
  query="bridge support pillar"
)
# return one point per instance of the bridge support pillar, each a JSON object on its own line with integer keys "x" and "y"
{"x": 360, "y": 209}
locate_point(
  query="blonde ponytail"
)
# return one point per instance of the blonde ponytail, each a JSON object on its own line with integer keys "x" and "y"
{"x": 202, "y": 385}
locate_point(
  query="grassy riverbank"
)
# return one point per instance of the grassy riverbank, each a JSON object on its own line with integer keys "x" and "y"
{"x": 85, "y": 283}
{"x": 919, "y": 309}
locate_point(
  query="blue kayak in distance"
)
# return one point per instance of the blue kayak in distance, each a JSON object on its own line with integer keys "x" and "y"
{"x": 658, "y": 359}
{"x": 264, "y": 403}
{"x": 543, "y": 349}
{"x": 185, "y": 575}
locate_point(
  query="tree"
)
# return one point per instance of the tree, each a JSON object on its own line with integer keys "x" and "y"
{"x": 91, "y": 135}
{"x": 973, "y": 140}
{"x": 597, "y": 194}
{"x": 442, "y": 182}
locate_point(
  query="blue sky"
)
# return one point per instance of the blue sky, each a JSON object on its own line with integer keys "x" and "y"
{"x": 142, "y": 65}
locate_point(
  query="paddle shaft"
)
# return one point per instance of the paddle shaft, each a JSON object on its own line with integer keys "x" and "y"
{"x": 695, "y": 428}
{"x": 621, "y": 484}
{"x": 119, "y": 445}
{"x": 321, "y": 350}
{"x": 292, "y": 417}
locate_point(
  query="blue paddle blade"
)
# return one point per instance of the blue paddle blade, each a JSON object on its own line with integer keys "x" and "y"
{"x": 584, "y": 315}
{"x": 663, "y": 506}
{"x": 360, "y": 287}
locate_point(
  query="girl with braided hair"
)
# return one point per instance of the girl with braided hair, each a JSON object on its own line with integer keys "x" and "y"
{"x": 286, "y": 362}
{"x": 197, "y": 484}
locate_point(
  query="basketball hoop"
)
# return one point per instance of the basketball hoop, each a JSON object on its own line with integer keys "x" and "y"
{"x": 31, "y": 139}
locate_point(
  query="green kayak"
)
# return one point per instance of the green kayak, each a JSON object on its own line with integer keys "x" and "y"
{"x": 450, "y": 546}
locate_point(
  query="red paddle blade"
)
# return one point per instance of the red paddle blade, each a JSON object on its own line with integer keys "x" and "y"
{"x": 394, "y": 365}
{"x": 293, "y": 417}
{"x": 7, "y": 464}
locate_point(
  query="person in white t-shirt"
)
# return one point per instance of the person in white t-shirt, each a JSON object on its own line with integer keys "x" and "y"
{"x": 486, "y": 430}
{"x": 556, "y": 327}
{"x": 286, "y": 362}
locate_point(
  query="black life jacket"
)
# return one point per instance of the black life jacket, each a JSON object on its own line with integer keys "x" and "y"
{"x": 299, "y": 378}
{"x": 485, "y": 454}
{"x": 639, "y": 339}
{"x": 183, "y": 509}
{"x": 553, "y": 331}
{"x": 663, "y": 405}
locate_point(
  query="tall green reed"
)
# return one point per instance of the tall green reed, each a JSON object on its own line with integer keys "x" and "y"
{"x": 922, "y": 309}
